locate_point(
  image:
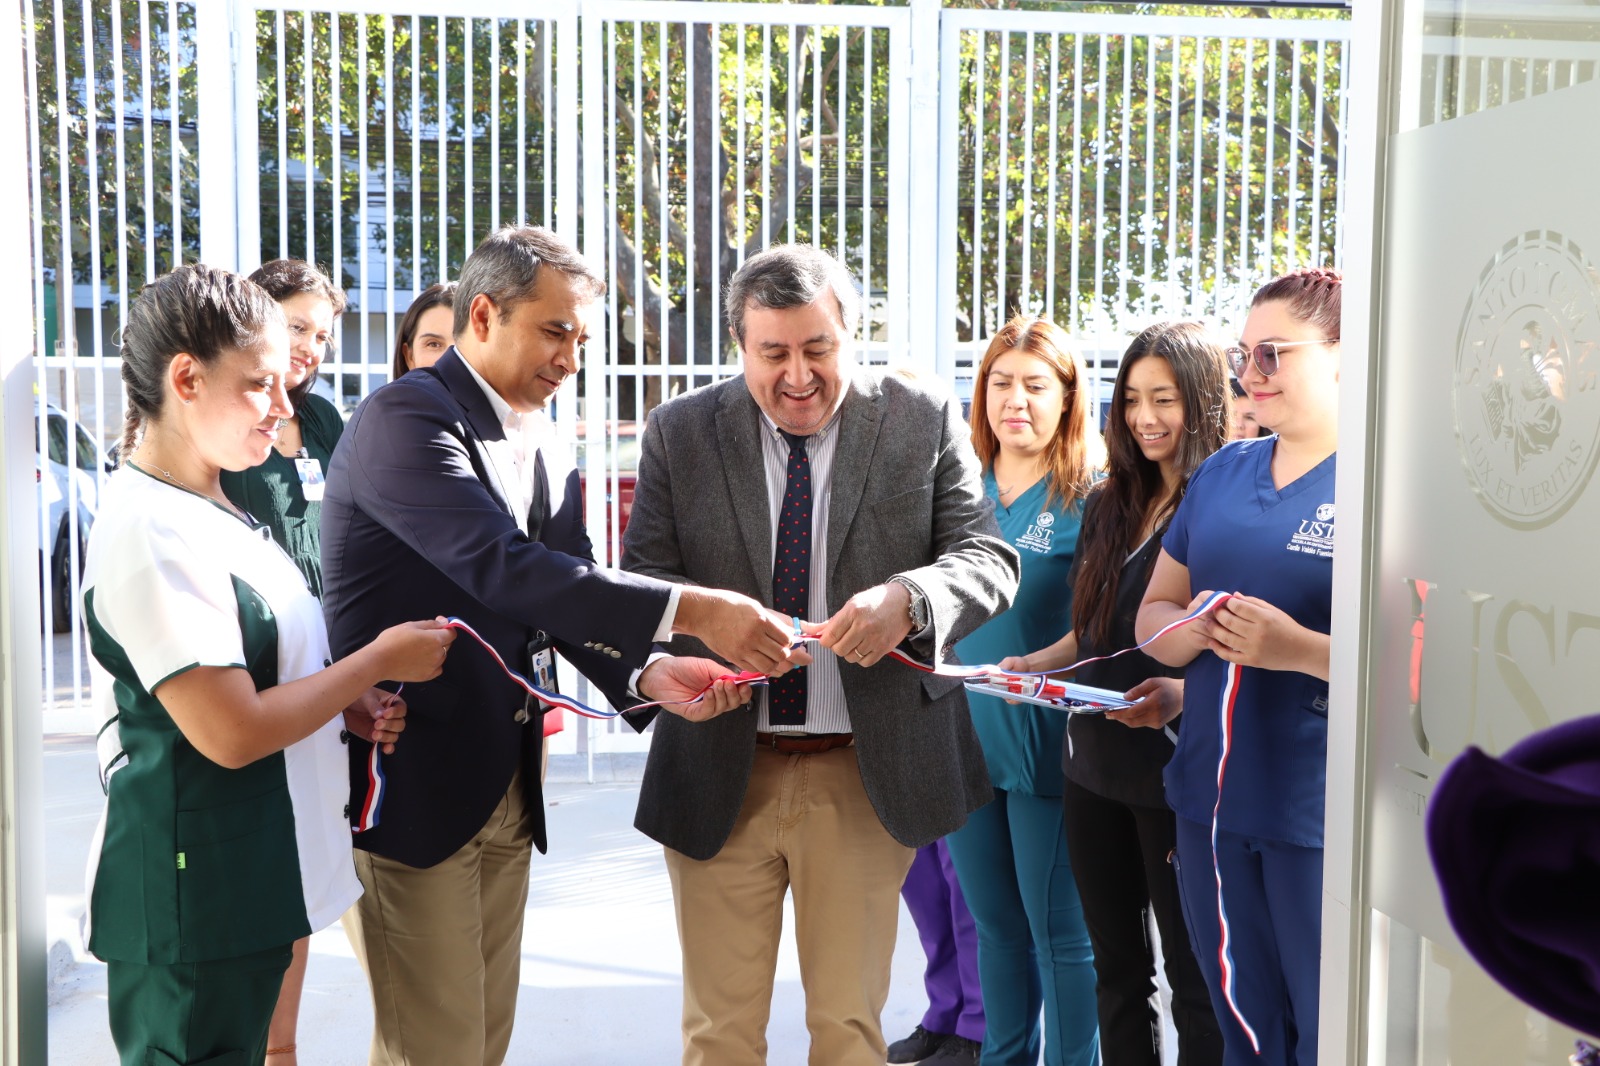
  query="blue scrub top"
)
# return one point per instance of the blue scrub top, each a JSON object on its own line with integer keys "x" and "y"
{"x": 1022, "y": 742}
{"x": 1237, "y": 533}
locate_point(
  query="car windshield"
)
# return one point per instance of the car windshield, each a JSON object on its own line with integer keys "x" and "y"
{"x": 56, "y": 439}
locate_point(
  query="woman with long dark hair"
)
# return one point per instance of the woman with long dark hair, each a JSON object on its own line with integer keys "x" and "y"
{"x": 1168, "y": 414}
{"x": 1248, "y": 774}
{"x": 427, "y": 330}
{"x": 1030, "y": 428}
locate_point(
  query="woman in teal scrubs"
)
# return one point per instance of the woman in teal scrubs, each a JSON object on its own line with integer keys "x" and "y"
{"x": 1030, "y": 428}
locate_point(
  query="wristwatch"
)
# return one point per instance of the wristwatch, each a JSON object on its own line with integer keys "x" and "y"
{"x": 918, "y": 609}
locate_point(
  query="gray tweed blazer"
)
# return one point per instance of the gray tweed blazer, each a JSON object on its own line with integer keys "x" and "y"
{"x": 907, "y": 498}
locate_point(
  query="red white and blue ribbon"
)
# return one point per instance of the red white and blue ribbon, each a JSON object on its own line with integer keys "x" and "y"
{"x": 377, "y": 784}
{"x": 1230, "y": 692}
{"x": 370, "y": 810}
{"x": 372, "y": 805}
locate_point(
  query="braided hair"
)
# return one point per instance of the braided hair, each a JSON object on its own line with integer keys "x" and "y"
{"x": 1312, "y": 295}
{"x": 195, "y": 309}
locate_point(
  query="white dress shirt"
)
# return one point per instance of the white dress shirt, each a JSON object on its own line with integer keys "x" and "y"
{"x": 525, "y": 435}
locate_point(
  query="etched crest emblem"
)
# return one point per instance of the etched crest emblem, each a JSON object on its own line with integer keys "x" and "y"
{"x": 1325, "y": 513}
{"x": 1526, "y": 395}
{"x": 1045, "y": 520}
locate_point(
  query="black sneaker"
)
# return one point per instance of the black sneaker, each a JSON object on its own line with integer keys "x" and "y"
{"x": 918, "y": 1046}
{"x": 956, "y": 1051}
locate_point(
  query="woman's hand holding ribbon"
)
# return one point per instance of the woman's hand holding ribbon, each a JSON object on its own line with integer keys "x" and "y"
{"x": 377, "y": 717}
{"x": 1014, "y": 664}
{"x": 1252, "y": 632}
{"x": 413, "y": 651}
{"x": 695, "y": 689}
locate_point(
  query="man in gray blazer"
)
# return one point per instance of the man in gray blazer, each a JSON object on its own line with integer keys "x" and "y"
{"x": 850, "y": 499}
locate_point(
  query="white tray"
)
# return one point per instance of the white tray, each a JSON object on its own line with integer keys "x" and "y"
{"x": 1077, "y": 699}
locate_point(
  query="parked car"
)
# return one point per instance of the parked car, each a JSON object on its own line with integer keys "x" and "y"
{"x": 69, "y": 492}
{"x": 622, "y": 454}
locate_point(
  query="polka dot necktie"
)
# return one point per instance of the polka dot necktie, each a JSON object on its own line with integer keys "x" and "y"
{"x": 791, "y": 578}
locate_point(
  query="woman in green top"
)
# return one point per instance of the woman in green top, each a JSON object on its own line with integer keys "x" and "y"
{"x": 285, "y": 494}
{"x": 223, "y": 838}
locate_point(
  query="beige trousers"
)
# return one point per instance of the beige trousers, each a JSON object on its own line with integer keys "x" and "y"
{"x": 442, "y": 947}
{"x": 807, "y": 827}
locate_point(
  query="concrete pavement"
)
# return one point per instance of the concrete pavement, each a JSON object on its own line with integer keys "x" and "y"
{"x": 600, "y": 965}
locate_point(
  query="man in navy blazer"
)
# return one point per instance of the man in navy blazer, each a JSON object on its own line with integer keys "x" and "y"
{"x": 439, "y": 503}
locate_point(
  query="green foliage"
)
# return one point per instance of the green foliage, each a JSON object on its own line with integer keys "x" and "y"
{"x": 1112, "y": 178}
{"x": 73, "y": 73}
{"x": 438, "y": 101}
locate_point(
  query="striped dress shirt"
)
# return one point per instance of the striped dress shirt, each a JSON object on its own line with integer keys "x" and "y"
{"x": 825, "y": 706}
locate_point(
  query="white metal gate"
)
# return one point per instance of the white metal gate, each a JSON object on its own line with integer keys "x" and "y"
{"x": 1110, "y": 170}
{"x": 966, "y": 164}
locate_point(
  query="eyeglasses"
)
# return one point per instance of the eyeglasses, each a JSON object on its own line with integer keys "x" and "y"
{"x": 1265, "y": 354}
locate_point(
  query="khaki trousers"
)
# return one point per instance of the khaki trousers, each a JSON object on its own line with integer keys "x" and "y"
{"x": 442, "y": 947}
{"x": 807, "y": 827}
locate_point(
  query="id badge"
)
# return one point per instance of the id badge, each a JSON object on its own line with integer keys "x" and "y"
{"x": 542, "y": 667}
{"x": 311, "y": 482}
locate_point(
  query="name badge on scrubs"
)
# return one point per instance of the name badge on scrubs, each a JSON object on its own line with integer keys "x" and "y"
{"x": 311, "y": 481}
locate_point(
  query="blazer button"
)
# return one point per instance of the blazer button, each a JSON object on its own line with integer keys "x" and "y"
{"x": 344, "y": 736}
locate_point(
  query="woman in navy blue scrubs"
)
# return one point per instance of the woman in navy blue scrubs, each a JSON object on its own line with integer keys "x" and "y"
{"x": 1258, "y": 521}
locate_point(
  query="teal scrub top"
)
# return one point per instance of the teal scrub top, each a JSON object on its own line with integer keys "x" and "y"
{"x": 1022, "y": 742}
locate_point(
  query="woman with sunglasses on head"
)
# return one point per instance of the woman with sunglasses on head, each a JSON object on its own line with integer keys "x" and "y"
{"x": 1257, "y": 522}
{"x": 224, "y": 838}
{"x": 285, "y": 493}
{"x": 1168, "y": 415}
{"x": 1030, "y": 429}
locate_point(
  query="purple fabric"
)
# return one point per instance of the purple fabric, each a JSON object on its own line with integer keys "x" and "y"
{"x": 950, "y": 941}
{"x": 1515, "y": 843}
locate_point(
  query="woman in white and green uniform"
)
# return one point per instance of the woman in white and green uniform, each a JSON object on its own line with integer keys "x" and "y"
{"x": 223, "y": 838}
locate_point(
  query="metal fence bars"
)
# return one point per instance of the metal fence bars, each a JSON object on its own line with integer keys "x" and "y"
{"x": 965, "y": 164}
{"x": 1108, "y": 170}
{"x": 385, "y": 145}
{"x": 113, "y": 128}
{"x": 725, "y": 128}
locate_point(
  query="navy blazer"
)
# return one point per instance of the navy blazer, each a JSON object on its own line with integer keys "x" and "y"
{"x": 415, "y": 523}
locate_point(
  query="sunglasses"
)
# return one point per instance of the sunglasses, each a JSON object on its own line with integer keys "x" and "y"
{"x": 1265, "y": 354}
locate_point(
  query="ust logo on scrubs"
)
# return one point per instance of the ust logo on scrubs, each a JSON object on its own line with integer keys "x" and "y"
{"x": 1527, "y": 411}
{"x": 1315, "y": 536}
{"x": 1037, "y": 538}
